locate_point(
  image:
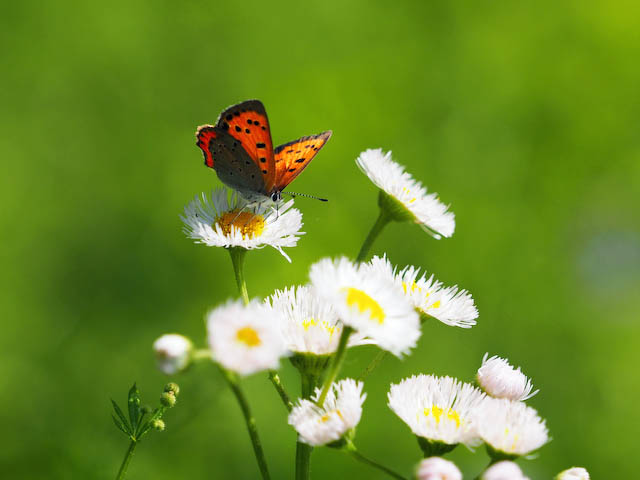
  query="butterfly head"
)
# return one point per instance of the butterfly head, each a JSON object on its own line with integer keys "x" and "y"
{"x": 276, "y": 196}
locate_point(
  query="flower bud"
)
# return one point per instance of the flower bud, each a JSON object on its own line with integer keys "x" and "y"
{"x": 168, "y": 399}
{"x": 158, "y": 424}
{"x": 437, "y": 468}
{"x": 173, "y": 353}
{"x": 575, "y": 473}
{"x": 504, "y": 470}
{"x": 501, "y": 380}
{"x": 172, "y": 387}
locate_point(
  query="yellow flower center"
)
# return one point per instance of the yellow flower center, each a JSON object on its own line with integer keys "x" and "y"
{"x": 312, "y": 322}
{"x": 437, "y": 413}
{"x": 407, "y": 192}
{"x": 415, "y": 287}
{"x": 364, "y": 302}
{"x": 248, "y": 336}
{"x": 327, "y": 416}
{"x": 249, "y": 224}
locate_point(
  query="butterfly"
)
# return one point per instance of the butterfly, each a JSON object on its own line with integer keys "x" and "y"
{"x": 240, "y": 150}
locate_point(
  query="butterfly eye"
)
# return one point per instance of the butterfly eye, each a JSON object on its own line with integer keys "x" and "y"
{"x": 275, "y": 196}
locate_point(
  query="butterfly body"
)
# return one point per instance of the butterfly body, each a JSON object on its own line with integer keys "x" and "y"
{"x": 239, "y": 148}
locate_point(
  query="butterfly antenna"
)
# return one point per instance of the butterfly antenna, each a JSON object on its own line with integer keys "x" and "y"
{"x": 294, "y": 195}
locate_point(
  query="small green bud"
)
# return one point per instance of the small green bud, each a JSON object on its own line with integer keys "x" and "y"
{"x": 158, "y": 424}
{"x": 146, "y": 409}
{"x": 172, "y": 387}
{"x": 168, "y": 399}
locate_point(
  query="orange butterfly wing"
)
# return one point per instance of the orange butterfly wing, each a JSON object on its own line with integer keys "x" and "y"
{"x": 205, "y": 134}
{"x": 247, "y": 122}
{"x": 293, "y": 157}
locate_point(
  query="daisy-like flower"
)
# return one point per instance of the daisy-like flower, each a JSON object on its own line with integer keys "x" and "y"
{"x": 439, "y": 411}
{"x": 437, "y": 468}
{"x": 503, "y": 470}
{"x": 404, "y": 198}
{"x": 338, "y": 416}
{"x": 575, "y": 473}
{"x": 244, "y": 339}
{"x": 173, "y": 353}
{"x": 369, "y": 302}
{"x": 509, "y": 427}
{"x": 226, "y": 220}
{"x": 307, "y": 323}
{"x": 501, "y": 380}
{"x": 430, "y": 298}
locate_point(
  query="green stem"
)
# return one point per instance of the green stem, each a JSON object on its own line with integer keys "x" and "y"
{"x": 237, "y": 258}
{"x": 361, "y": 458}
{"x": 336, "y": 364}
{"x": 249, "y": 420}
{"x": 381, "y": 222}
{"x": 373, "y": 364}
{"x": 303, "y": 451}
{"x": 127, "y": 459}
{"x": 277, "y": 383}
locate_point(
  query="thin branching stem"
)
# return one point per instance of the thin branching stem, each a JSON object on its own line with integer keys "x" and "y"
{"x": 127, "y": 459}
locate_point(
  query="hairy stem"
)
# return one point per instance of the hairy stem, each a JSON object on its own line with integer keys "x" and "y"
{"x": 336, "y": 364}
{"x": 303, "y": 451}
{"x": 250, "y": 421}
{"x": 237, "y": 258}
{"x": 381, "y": 222}
{"x": 373, "y": 364}
{"x": 127, "y": 459}
{"x": 277, "y": 383}
{"x": 361, "y": 458}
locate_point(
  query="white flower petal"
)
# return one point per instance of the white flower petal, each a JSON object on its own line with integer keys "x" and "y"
{"x": 391, "y": 177}
{"x": 173, "y": 353}
{"x": 224, "y": 219}
{"x": 575, "y": 473}
{"x": 500, "y": 380}
{"x": 437, "y": 468}
{"x": 448, "y": 305}
{"x": 369, "y": 302}
{"x": 245, "y": 339}
{"x": 510, "y": 426}
{"x": 440, "y": 409}
{"x": 503, "y": 470}
{"x": 340, "y": 413}
{"x": 307, "y": 323}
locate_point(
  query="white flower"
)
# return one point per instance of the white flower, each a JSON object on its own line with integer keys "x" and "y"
{"x": 173, "y": 353}
{"x": 227, "y": 220}
{"x": 449, "y": 305}
{"x": 437, "y": 468}
{"x": 369, "y": 302}
{"x": 503, "y": 470}
{"x": 501, "y": 380}
{"x": 575, "y": 473}
{"x": 424, "y": 208}
{"x": 340, "y": 413}
{"x": 308, "y": 324}
{"x": 439, "y": 409}
{"x": 244, "y": 339}
{"x": 510, "y": 427}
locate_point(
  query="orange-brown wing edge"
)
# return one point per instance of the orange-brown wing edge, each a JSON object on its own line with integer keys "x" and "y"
{"x": 204, "y": 135}
{"x": 293, "y": 157}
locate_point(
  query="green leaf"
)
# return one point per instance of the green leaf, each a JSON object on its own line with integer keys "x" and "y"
{"x": 120, "y": 425}
{"x": 121, "y": 416}
{"x": 134, "y": 406}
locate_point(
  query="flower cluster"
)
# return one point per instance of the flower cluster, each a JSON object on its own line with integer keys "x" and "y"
{"x": 346, "y": 304}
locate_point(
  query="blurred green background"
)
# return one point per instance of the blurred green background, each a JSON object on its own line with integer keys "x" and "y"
{"x": 524, "y": 116}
